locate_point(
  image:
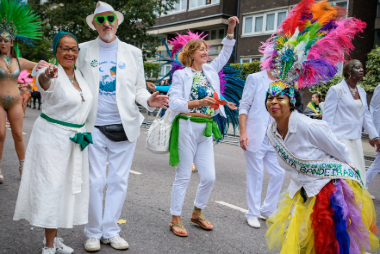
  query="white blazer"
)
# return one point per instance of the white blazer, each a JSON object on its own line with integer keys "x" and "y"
{"x": 252, "y": 104}
{"x": 130, "y": 84}
{"x": 343, "y": 116}
{"x": 375, "y": 108}
{"x": 179, "y": 92}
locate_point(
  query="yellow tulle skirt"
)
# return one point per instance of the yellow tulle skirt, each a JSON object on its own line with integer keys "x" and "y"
{"x": 339, "y": 220}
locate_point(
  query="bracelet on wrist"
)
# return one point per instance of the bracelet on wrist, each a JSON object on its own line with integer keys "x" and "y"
{"x": 375, "y": 139}
{"x": 46, "y": 76}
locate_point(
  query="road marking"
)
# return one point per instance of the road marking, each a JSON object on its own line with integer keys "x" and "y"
{"x": 232, "y": 206}
{"x": 135, "y": 172}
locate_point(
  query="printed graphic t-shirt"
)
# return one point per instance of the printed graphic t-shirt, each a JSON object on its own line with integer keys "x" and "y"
{"x": 108, "y": 113}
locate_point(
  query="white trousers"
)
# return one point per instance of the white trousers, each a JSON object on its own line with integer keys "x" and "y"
{"x": 120, "y": 156}
{"x": 373, "y": 170}
{"x": 193, "y": 146}
{"x": 255, "y": 163}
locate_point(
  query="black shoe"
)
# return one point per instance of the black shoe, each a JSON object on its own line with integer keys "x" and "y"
{"x": 39, "y": 108}
{"x": 34, "y": 107}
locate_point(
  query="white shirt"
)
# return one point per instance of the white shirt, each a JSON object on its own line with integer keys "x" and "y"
{"x": 108, "y": 112}
{"x": 309, "y": 139}
{"x": 375, "y": 108}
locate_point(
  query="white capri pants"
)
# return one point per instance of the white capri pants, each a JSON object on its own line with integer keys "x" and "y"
{"x": 373, "y": 170}
{"x": 193, "y": 147}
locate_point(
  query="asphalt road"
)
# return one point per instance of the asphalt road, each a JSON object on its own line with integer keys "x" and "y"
{"x": 147, "y": 207}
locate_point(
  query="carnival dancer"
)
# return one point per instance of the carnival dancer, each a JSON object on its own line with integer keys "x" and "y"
{"x": 194, "y": 99}
{"x": 326, "y": 208}
{"x": 374, "y": 169}
{"x": 17, "y": 22}
{"x": 254, "y": 120}
{"x": 346, "y": 112}
{"x": 54, "y": 190}
{"x": 115, "y": 72}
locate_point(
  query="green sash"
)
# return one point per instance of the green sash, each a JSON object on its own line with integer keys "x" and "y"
{"x": 211, "y": 128}
{"x": 83, "y": 139}
{"x": 318, "y": 168}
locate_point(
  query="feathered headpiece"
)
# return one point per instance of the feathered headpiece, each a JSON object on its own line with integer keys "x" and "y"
{"x": 308, "y": 45}
{"x": 181, "y": 40}
{"x": 18, "y": 21}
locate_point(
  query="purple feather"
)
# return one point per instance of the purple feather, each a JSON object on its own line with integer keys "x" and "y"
{"x": 359, "y": 235}
{"x": 316, "y": 71}
{"x": 329, "y": 26}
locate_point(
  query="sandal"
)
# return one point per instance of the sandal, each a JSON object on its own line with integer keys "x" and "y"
{"x": 198, "y": 221}
{"x": 21, "y": 166}
{"x": 180, "y": 225}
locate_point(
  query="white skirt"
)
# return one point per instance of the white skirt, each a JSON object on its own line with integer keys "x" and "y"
{"x": 45, "y": 197}
{"x": 355, "y": 148}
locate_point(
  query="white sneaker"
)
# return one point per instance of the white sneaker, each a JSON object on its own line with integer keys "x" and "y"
{"x": 254, "y": 222}
{"x": 92, "y": 244}
{"x": 61, "y": 248}
{"x": 48, "y": 251}
{"x": 373, "y": 198}
{"x": 117, "y": 242}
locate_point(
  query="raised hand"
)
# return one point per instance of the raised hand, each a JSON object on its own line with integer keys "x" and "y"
{"x": 232, "y": 24}
{"x": 207, "y": 101}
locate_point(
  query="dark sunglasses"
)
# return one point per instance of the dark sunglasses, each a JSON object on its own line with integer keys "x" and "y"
{"x": 102, "y": 19}
{"x": 66, "y": 49}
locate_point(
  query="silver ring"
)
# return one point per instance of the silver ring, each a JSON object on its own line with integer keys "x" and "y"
{"x": 49, "y": 71}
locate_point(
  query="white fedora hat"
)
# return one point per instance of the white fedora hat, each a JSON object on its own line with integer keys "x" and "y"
{"x": 103, "y": 7}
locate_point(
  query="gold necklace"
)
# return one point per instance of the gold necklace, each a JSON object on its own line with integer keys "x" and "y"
{"x": 7, "y": 60}
{"x": 282, "y": 134}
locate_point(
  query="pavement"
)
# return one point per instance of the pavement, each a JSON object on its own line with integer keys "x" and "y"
{"x": 147, "y": 205}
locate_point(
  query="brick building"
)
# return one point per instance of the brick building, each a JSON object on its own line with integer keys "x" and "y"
{"x": 258, "y": 20}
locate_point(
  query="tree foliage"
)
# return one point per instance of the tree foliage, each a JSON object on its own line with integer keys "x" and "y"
{"x": 70, "y": 16}
{"x": 151, "y": 70}
{"x": 372, "y": 77}
{"x": 248, "y": 68}
{"x": 324, "y": 87}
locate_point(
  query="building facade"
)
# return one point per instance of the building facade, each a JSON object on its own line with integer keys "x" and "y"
{"x": 258, "y": 20}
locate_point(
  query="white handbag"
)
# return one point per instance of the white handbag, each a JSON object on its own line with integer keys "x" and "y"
{"x": 159, "y": 134}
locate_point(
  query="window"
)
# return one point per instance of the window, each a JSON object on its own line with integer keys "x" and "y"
{"x": 264, "y": 23}
{"x": 377, "y": 38}
{"x": 221, "y": 34}
{"x": 343, "y": 4}
{"x": 249, "y": 59}
{"x": 378, "y": 9}
{"x": 181, "y": 5}
{"x": 200, "y": 3}
{"x": 165, "y": 70}
{"x": 214, "y": 34}
{"x": 213, "y": 50}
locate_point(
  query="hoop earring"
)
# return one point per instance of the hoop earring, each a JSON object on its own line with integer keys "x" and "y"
{"x": 192, "y": 59}
{"x": 349, "y": 76}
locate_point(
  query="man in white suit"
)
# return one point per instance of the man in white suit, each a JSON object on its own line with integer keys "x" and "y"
{"x": 115, "y": 73}
{"x": 259, "y": 153}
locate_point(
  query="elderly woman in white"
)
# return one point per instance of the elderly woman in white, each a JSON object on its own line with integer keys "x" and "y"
{"x": 54, "y": 191}
{"x": 346, "y": 112}
{"x": 191, "y": 96}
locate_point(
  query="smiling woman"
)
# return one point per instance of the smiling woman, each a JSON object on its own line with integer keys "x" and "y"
{"x": 54, "y": 190}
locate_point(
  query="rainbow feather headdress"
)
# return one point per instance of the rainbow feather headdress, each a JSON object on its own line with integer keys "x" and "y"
{"x": 308, "y": 45}
{"x": 18, "y": 21}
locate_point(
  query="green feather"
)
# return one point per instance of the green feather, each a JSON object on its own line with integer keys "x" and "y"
{"x": 23, "y": 19}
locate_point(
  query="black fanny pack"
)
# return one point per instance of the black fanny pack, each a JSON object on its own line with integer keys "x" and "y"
{"x": 114, "y": 132}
